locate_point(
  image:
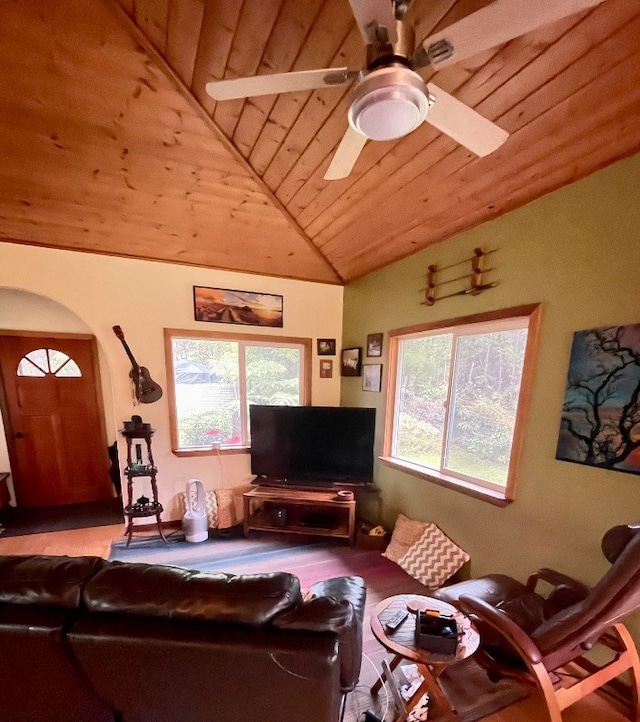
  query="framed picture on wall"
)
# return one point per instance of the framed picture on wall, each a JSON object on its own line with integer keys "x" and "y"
{"x": 250, "y": 308}
{"x": 351, "y": 361}
{"x": 372, "y": 377}
{"x": 326, "y": 347}
{"x": 326, "y": 369}
{"x": 374, "y": 344}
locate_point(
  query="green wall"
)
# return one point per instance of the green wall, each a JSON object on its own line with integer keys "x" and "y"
{"x": 576, "y": 252}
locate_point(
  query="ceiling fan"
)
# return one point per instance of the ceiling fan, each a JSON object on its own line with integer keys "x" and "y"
{"x": 390, "y": 99}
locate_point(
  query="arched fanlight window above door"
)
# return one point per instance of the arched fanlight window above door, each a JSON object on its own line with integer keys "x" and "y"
{"x": 45, "y": 361}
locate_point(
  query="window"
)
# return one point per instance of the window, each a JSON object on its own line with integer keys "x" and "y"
{"x": 45, "y": 361}
{"x": 214, "y": 377}
{"x": 458, "y": 397}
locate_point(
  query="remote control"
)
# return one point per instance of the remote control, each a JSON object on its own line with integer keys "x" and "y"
{"x": 397, "y": 619}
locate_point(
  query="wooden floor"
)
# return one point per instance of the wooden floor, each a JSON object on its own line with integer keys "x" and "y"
{"x": 97, "y": 541}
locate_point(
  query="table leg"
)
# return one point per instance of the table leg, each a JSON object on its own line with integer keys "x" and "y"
{"x": 352, "y": 524}
{"x": 380, "y": 681}
{"x": 129, "y": 530}
{"x": 159, "y": 522}
{"x": 436, "y": 695}
{"x": 247, "y": 512}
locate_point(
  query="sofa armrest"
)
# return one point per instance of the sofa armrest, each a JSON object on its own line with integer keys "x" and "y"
{"x": 353, "y": 590}
{"x": 344, "y": 594}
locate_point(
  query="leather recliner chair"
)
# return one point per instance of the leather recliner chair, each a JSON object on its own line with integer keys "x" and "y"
{"x": 531, "y": 633}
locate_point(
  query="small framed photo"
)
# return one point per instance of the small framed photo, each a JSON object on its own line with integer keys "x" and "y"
{"x": 326, "y": 347}
{"x": 374, "y": 344}
{"x": 351, "y": 362}
{"x": 372, "y": 377}
{"x": 326, "y": 369}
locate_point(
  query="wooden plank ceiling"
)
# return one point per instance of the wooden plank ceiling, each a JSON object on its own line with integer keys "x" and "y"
{"x": 112, "y": 145}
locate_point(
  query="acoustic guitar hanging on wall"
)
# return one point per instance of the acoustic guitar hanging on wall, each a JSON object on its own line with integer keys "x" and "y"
{"x": 145, "y": 388}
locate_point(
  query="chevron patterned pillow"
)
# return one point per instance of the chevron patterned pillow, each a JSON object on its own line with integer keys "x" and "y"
{"x": 210, "y": 506}
{"x": 433, "y": 558}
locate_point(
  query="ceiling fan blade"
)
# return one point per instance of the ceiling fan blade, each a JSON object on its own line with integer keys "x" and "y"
{"x": 494, "y": 25}
{"x": 346, "y": 155}
{"x": 464, "y": 124}
{"x": 278, "y": 83}
{"x": 369, "y": 13}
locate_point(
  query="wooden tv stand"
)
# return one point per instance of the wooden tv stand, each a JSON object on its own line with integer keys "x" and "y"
{"x": 297, "y": 511}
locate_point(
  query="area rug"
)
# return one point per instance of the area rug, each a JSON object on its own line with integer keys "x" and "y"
{"x": 45, "y": 519}
{"x": 312, "y": 559}
{"x": 228, "y": 549}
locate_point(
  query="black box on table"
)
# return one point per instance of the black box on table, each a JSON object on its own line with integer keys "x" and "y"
{"x": 436, "y": 634}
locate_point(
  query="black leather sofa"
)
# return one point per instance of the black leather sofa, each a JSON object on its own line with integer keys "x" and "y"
{"x": 86, "y": 640}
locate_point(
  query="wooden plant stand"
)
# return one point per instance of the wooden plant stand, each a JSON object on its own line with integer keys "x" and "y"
{"x": 135, "y": 469}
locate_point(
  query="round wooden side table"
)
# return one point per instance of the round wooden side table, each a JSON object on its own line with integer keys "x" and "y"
{"x": 401, "y": 642}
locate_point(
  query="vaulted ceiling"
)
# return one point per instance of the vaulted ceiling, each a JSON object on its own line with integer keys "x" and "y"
{"x": 110, "y": 143}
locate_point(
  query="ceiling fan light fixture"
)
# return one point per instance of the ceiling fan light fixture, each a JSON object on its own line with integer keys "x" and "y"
{"x": 389, "y": 103}
{"x": 388, "y": 113}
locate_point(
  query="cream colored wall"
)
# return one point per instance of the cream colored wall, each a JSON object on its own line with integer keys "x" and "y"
{"x": 575, "y": 251}
{"x": 50, "y": 290}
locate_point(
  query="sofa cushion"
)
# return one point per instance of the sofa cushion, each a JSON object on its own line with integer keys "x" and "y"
{"x": 172, "y": 592}
{"x": 45, "y": 580}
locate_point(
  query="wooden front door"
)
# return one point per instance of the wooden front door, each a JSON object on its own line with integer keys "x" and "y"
{"x": 54, "y": 419}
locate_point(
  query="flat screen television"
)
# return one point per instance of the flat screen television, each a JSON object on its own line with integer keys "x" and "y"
{"x": 312, "y": 445}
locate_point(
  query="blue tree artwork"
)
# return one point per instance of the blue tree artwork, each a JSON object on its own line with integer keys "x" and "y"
{"x": 600, "y": 423}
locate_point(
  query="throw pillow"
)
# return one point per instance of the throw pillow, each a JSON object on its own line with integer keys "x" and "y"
{"x": 433, "y": 558}
{"x": 230, "y": 505}
{"x": 210, "y": 505}
{"x": 405, "y": 534}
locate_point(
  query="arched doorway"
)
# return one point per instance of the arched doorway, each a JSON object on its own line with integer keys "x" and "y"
{"x": 51, "y": 400}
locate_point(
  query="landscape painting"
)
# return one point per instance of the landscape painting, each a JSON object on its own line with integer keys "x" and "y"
{"x": 222, "y": 305}
{"x": 600, "y": 423}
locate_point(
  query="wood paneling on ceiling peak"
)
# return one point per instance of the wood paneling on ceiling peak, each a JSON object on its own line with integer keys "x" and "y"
{"x": 112, "y": 145}
{"x": 104, "y": 152}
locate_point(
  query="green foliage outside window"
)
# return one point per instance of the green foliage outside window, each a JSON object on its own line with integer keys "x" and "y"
{"x": 211, "y": 412}
{"x": 479, "y": 409}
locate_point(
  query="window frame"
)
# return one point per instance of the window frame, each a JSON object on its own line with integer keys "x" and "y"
{"x": 500, "y": 496}
{"x": 248, "y": 338}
